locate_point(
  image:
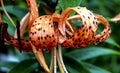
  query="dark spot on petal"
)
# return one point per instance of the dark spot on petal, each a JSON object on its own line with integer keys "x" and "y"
{"x": 38, "y": 38}
{"x": 82, "y": 26}
{"x": 90, "y": 14}
{"x": 45, "y": 37}
{"x": 49, "y": 36}
{"x": 88, "y": 17}
{"x": 43, "y": 42}
{"x": 53, "y": 35}
{"x": 83, "y": 16}
{"x": 82, "y": 34}
{"x": 38, "y": 23}
{"x": 43, "y": 30}
{"x": 27, "y": 40}
{"x": 86, "y": 30}
{"x": 41, "y": 37}
{"x": 89, "y": 27}
{"x": 76, "y": 40}
{"x": 39, "y": 29}
{"x": 50, "y": 19}
{"x": 35, "y": 21}
{"x": 51, "y": 25}
{"x": 96, "y": 22}
{"x": 78, "y": 34}
{"x": 84, "y": 22}
{"x": 93, "y": 22}
{"x": 109, "y": 29}
{"x": 83, "y": 30}
{"x": 45, "y": 16}
{"x": 54, "y": 41}
{"x": 32, "y": 25}
{"x": 78, "y": 8}
{"x": 32, "y": 33}
{"x": 94, "y": 17}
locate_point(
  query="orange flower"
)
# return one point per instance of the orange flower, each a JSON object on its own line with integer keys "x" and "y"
{"x": 49, "y": 31}
{"x": 44, "y": 34}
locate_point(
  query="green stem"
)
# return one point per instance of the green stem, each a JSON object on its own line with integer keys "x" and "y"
{"x": 53, "y": 64}
{"x": 52, "y": 61}
{"x": 3, "y": 7}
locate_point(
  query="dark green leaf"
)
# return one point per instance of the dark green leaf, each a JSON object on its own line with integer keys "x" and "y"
{"x": 8, "y": 64}
{"x": 71, "y": 70}
{"x": 63, "y": 4}
{"x": 15, "y": 10}
{"x": 112, "y": 42}
{"x": 10, "y": 26}
{"x": 69, "y": 3}
{"x": 25, "y": 66}
{"x": 94, "y": 69}
{"x": 90, "y": 52}
{"x": 74, "y": 66}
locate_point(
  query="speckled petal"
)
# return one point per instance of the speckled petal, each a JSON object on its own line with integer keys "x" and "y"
{"x": 42, "y": 34}
{"x": 85, "y": 34}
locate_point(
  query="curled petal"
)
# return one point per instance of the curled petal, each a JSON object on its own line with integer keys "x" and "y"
{"x": 33, "y": 9}
{"x": 85, "y": 34}
{"x": 23, "y": 24}
{"x": 106, "y": 31}
{"x": 42, "y": 33}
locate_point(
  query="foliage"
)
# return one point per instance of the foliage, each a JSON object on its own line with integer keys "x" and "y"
{"x": 96, "y": 58}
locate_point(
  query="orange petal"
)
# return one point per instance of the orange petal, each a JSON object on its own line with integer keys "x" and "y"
{"x": 106, "y": 31}
{"x": 25, "y": 45}
{"x": 85, "y": 34}
{"x": 116, "y": 18}
{"x": 42, "y": 34}
{"x": 33, "y": 9}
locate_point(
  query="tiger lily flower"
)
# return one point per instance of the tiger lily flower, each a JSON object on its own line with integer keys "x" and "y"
{"x": 48, "y": 31}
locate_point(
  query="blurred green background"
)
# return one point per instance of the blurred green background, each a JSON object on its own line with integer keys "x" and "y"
{"x": 96, "y": 58}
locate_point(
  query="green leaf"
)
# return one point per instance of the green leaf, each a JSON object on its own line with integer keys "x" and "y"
{"x": 63, "y": 4}
{"x": 7, "y": 64}
{"x": 90, "y": 52}
{"x": 70, "y": 3}
{"x": 10, "y": 26}
{"x": 25, "y": 66}
{"x": 94, "y": 69}
{"x": 15, "y": 10}
{"x": 74, "y": 66}
{"x": 112, "y": 42}
{"x": 71, "y": 70}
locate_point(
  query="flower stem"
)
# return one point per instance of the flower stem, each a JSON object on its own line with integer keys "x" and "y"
{"x": 60, "y": 61}
{"x": 52, "y": 61}
{"x": 53, "y": 65}
{"x": 55, "y": 61}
